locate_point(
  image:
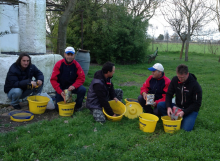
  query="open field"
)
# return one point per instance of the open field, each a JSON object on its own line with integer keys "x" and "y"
{"x": 81, "y": 138}
{"x": 204, "y": 48}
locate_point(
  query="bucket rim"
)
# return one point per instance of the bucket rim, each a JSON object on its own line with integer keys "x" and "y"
{"x": 149, "y": 120}
{"x": 179, "y": 120}
{"x": 28, "y": 98}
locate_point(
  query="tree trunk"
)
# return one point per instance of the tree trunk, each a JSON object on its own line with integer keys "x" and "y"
{"x": 181, "y": 53}
{"x": 62, "y": 28}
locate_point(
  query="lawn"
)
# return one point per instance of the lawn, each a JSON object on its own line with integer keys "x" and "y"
{"x": 81, "y": 138}
{"x": 204, "y": 48}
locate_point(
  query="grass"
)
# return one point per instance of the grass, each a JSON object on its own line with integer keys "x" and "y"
{"x": 84, "y": 139}
{"x": 193, "y": 47}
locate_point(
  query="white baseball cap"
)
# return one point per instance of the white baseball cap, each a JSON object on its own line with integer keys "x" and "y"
{"x": 157, "y": 66}
{"x": 70, "y": 49}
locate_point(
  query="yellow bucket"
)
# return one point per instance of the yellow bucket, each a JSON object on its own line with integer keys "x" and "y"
{"x": 128, "y": 100}
{"x": 66, "y": 109}
{"x": 148, "y": 122}
{"x": 171, "y": 125}
{"x": 118, "y": 108}
{"x": 39, "y": 106}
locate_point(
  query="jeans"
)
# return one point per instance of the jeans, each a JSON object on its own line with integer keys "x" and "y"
{"x": 17, "y": 93}
{"x": 81, "y": 91}
{"x": 147, "y": 108}
{"x": 188, "y": 121}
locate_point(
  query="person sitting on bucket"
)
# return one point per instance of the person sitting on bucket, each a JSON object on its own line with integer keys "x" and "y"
{"x": 100, "y": 89}
{"x": 156, "y": 84}
{"x": 20, "y": 74}
{"x": 68, "y": 74}
{"x": 188, "y": 95}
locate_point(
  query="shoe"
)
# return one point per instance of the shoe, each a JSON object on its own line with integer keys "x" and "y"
{"x": 78, "y": 109}
{"x": 18, "y": 107}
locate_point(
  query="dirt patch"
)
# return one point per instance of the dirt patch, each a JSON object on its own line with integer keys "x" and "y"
{"x": 130, "y": 84}
{"x": 6, "y": 124}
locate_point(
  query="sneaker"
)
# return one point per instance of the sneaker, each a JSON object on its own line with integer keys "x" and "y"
{"x": 18, "y": 107}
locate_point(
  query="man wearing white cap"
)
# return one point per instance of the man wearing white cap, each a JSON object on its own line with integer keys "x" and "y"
{"x": 156, "y": 84}
{"x": 68, "y": 74}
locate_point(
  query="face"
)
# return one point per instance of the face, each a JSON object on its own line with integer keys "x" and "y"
{"x": 69, "y": 57}
{"x": 25, "y": 61}
{"x": 156, "y": 74}
{"x": 110, "y": 74}
{"x": 182, "y": 77}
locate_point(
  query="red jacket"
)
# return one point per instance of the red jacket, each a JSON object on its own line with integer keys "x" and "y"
{"x": 158, "y": 87}
{"x": 65, "y": 75}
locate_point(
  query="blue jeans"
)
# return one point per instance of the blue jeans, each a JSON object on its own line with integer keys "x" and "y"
{"x": 81, "y": 91}
{"x": 17, "y": 93}
{"x": 188, "y": 121}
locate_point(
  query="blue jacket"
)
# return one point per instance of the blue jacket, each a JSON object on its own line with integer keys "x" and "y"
{"x": 17, "y": 78}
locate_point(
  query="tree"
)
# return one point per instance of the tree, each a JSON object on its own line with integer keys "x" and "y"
{"x": 187, "y": 18}
{"x": 160, "y": 37}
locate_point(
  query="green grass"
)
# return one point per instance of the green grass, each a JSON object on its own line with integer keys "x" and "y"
{"x": 84, "y": 139}
{"x": 193, "y": 47}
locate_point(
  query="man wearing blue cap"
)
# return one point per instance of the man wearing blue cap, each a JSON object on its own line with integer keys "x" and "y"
{"x": 156, "y": 84}
{"x": 68, "y": 74}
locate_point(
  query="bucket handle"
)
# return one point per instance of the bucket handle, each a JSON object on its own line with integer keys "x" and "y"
{"x": 146, "y": 119}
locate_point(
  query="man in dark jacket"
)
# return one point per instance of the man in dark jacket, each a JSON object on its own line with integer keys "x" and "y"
{"x": 19, "y": 76}
{"x": 100, "y": 91}
{"x": 188, "y": 94}
{"x": 156, "y": 84}
{"x": 68, "y": 74}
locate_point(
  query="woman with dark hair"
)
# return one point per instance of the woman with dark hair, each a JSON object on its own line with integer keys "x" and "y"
{"x": 19, "y": 76}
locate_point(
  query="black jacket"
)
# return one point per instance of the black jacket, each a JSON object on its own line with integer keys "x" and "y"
{"x": 17, "y": 78}
{"x": 100, "y": 91}
{"x": 188, "y": 94}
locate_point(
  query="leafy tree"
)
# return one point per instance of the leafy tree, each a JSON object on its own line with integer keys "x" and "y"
{"x": 160, "y": 37}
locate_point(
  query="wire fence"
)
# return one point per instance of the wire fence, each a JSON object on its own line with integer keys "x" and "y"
{"x": 205, "y": 47}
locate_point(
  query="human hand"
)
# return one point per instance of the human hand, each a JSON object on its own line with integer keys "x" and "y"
{"x": 181, "y": 114}
{"x": 34, "y": 84}
{"x": 71, "y": 88}
{"x": 116, "y": 100}
{"x": 39, "y": 83}
{"x": 63, "y": 95}
{"x": 155, "y": 104}
{"x": 145, "y": 96}
{"x": 169, "y": 111}
{"x": 114, "y": 115}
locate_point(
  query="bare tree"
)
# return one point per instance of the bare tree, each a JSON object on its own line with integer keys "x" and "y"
{"x": 187, "y": 18}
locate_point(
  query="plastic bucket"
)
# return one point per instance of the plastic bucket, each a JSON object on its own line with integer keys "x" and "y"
{"x": 39, "y": 105}
{"x": 148, "y": 122}
{"x": 118, "y": 108}
{"x": 83, "y": 58}
{"x": 127, "y": 100}
{"x": 66, "y": 109}
{"x": 171, "y": 125}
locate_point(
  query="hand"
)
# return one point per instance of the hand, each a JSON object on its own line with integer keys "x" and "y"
{"x": 155, "y": 104}
{"x": 145, "y": 96}
{"x": 116, "y": 100}
{"x": 63, "y": 95}
{"x": 39, "y": 83}
{"x": 114, "y": 115}
{"x": 181, "y": 114}
{"x": 71, "y": 88}
{"x": 169, "y": 111}
{"x": 34, "y": 84}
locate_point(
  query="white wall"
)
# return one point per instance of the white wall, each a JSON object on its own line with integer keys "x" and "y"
{"x": 8, "y": 16}
{"x": 43, "y": 62}
{"x": 32, "y": 26}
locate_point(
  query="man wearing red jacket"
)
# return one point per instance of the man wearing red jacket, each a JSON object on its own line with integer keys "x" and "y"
{"x": 156, "y": 84}
{"x": 68, "y": 74}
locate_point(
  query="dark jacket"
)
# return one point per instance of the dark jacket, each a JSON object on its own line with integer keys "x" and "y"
{"x": 66, "y": 74}
{"x": 158, "y": 87}
{"x": 188, "y": 94}
{"x": 17, "y": 78}
{"x": 100, "y": 90}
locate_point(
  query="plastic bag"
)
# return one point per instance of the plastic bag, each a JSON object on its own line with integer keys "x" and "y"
{"x": 68, "y": 96}
{"x": 50, "y": 105}
{"x": 150, "y": 99}
{"x": 176, "y": 111}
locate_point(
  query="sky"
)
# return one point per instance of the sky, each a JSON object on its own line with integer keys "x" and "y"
{"x": 160, "y": 26}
